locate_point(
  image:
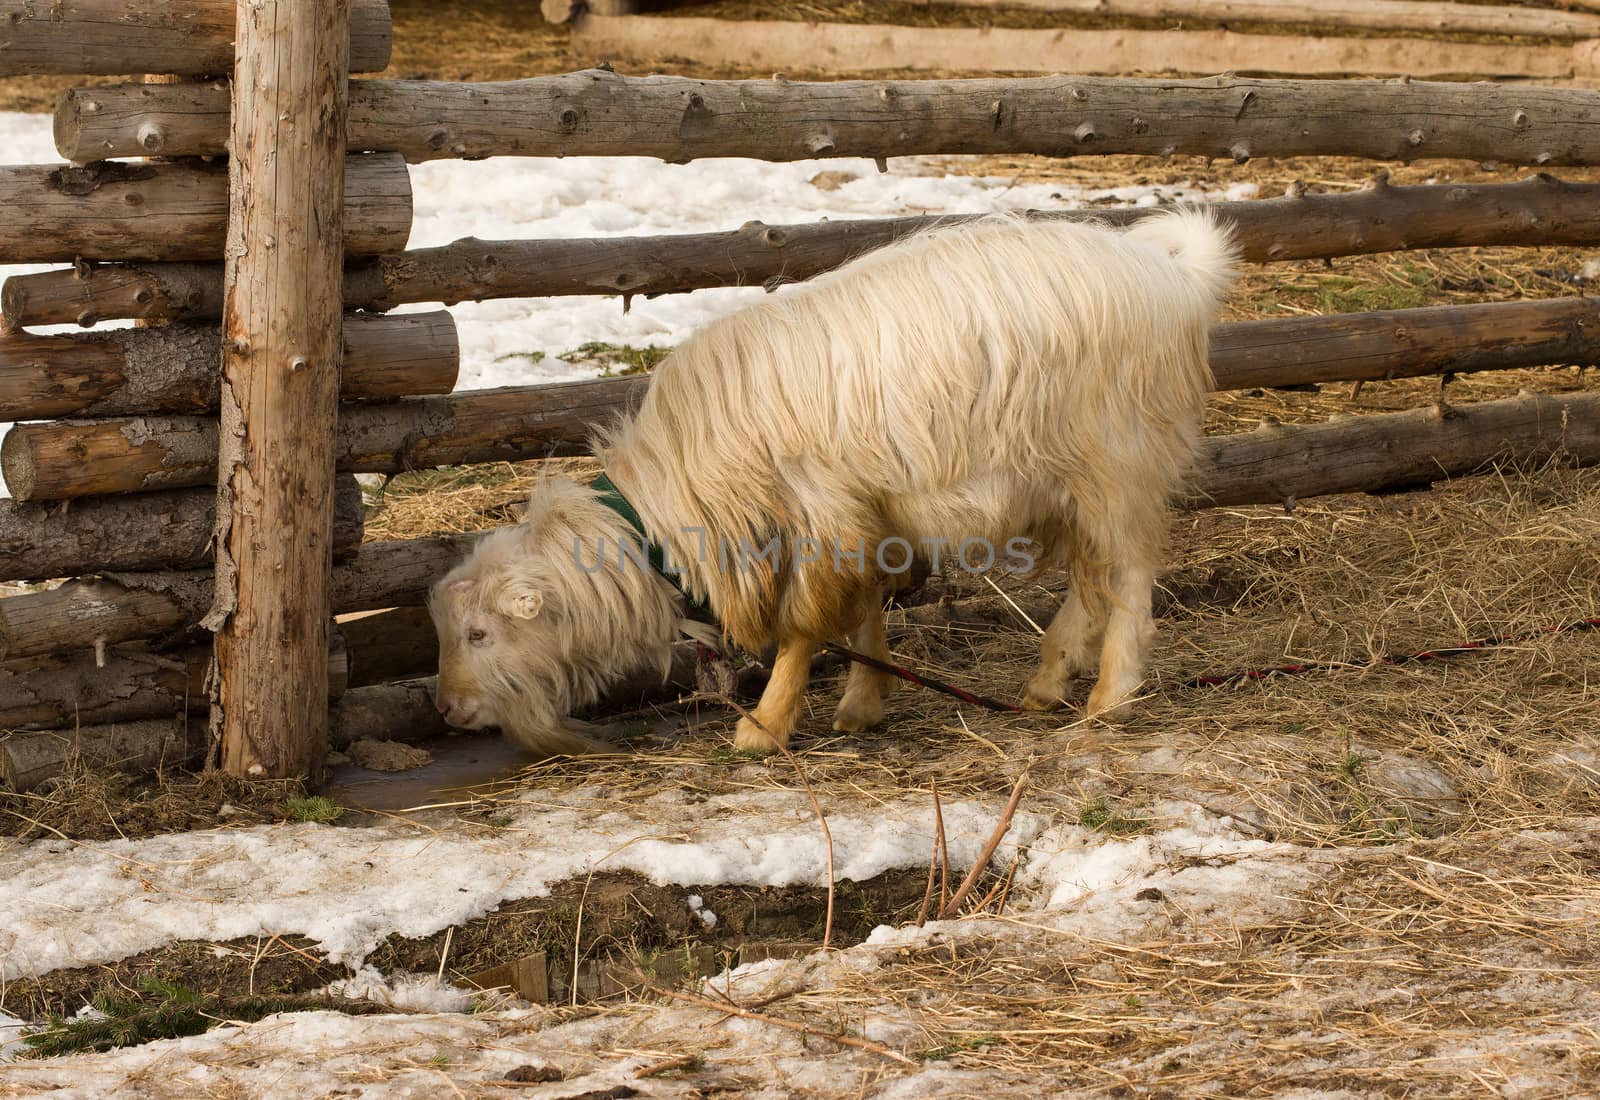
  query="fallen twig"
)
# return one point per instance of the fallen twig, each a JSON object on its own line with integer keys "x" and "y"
{"x": 936, "y": 858}
{"x": 667, "y": 1065}
{"x": 953, "y": 906}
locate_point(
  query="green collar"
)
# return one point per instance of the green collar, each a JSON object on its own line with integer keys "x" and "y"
{"x": 612, "y": 498}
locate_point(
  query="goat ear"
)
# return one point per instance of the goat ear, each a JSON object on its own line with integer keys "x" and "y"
{"x": 521, "y": 600}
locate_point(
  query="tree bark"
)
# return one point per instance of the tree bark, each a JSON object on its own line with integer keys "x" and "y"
{"x": 1408, "y": 15}
{"x": 280, "y": 387}
{"x": 130, "y": 683}
{"x": 780, "y": 45}
{"x": 174, "y": 369}
{"x": 62, "y": 459}
{"x": 1368, "y": 453}
{"x": 182, "y": 37}
{"x": 1540, "y": 210}
{"x": 1405, "y": 343}
{"x": 172, "y": 210}
{"x": 677, "y": 119}
{"x": 150, "y": 531}
{"x": 65, "y": 459}
{"x": 120, "y": 607}
{"x": 1349, "y": 454}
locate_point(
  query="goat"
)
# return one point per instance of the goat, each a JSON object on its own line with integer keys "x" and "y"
{"x": 1033, "y": 383}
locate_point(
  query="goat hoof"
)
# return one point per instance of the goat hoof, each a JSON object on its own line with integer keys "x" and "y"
{"x": 1107, "y": 707}
{"x": 750, "y": 737}
{"x": 857, "y": 716}
{"x": 1040, "y": 699}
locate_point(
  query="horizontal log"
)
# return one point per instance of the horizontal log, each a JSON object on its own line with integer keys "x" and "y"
{"x": 1405, "y": 343}
{"x": 171, "y": 210}
{"x": 175, "y": 368}
{"x": 86, "y": 294}
{"x": 181, "y": 37}
{"x": 131, "y": 746}
{"x": 61, "y": 459}
{"x": 779, "y": 45}
{"x": 1433, "y": 16}
{"x": 117, "y": 607}
{"x": 64, "y": 459}
{"x": 677, "y": 119}
{"x": 402, "y": 711}
{"x": 123, "y": 606}
{"x": 386, "y": 712}
{"x": 398, "y": 644}
{"x": 1540, "y": 210}
{"x": 29, "y": 760}
{"x": 1278, "y": 463}
{"x": 1349, "y": 454}
{"x": 150, "y": 531}
{"x": 126, "y": 683}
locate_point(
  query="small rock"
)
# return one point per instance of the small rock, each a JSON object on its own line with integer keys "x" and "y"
{"x": 832, "y": 180}
{"x": 387, "y": 756}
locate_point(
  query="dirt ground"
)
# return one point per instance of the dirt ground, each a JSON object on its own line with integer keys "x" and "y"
{"x": 1428, "y": 925}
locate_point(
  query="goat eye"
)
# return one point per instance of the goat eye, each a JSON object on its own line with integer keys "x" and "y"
{"x": 476, "y": 635}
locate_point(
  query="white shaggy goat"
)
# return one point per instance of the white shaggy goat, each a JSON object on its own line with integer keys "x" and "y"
{"x": 997, "y": 380}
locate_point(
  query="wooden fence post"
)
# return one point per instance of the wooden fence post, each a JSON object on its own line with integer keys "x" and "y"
{"x": 280, "y": 386}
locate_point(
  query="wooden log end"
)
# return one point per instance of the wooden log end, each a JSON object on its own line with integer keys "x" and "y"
{"x": 371, "y": 36}
{"x": 67, "y": 127}
{"x": 19, "y": 464}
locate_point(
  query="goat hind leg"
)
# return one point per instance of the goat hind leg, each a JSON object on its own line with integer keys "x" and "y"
{"x": 861, "y": 706}
{"x": 1067, "y": 650}
{"x": 1128, "y": 633}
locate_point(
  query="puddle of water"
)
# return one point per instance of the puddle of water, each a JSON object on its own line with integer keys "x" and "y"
{"x": 471, "y": 765}
{"x": 462, "y": 767}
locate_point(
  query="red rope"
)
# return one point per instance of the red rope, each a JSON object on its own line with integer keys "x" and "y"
{"x": 920, "y": 680}
{"x": 1391, "y": 659}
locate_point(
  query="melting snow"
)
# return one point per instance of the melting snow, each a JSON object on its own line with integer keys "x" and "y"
{"x": 347, "y": 888}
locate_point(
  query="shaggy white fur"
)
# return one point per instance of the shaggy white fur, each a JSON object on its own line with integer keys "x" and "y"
{"x": 1014, "y": 382}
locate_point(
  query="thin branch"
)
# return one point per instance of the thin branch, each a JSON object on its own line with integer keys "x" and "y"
{"x": 953, "y": 906}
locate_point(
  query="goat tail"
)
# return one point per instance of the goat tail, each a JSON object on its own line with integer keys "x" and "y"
{"x": 1202, "y": 245}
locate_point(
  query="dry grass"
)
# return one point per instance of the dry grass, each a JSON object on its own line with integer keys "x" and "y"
{"x": 1364, "y": 756}
{"x": 1439, "y": 969}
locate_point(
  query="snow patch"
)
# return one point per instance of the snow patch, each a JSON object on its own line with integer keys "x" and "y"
{"x": 407, "y": 992}
{"x": 1069, "y": 862}
{"x": 347, "y": 889}
{"x": 11, "y": 1043}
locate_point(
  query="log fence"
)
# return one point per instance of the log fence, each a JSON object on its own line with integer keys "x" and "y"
{"x": 1540, "y": 210}
{"x": 121, "y": 431}
{"x": 600, "y": 113}
{"x": 1419, "y": 38}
